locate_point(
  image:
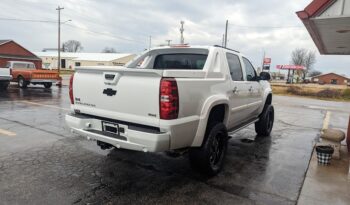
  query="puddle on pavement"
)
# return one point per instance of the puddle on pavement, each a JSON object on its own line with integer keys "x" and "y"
{"x": 246, "y": 140}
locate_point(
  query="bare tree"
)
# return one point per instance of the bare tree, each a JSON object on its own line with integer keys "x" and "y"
{"x": 313, "y": 73}
{"x": 304, "y": 57}
{"x": 72, "y": 46}
{"x": 109, "y": 50}
{"x": 309, "y": 61}
{"x": 298, "y": 56}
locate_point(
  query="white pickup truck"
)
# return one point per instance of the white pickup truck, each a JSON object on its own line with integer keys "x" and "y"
{"x": 172, "y": 99}
{"x": 5, "y": 78}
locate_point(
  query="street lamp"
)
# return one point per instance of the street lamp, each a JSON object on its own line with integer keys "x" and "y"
{"x": 59, "y": 43}
{"x": 59, "y": 37}
{"x": 66, "y": 21}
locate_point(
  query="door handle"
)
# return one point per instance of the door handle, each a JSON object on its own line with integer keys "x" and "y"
{"x": 235, "y": 90}
{"x": 251, "y": 89}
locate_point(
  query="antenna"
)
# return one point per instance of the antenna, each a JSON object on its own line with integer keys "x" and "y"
{"x": 225, "y": 43}
{"x": 182, "y": 39}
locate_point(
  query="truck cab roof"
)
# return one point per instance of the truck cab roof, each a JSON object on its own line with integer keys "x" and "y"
{"x": 190, "y": 46}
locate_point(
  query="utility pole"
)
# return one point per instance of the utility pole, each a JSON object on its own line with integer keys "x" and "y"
{"x": 182, "y": 39}
{"x": 223, "y": 40}
{"x": 168, "y": 42}
{"x": 263, "y": 58}
{"x": 59, "y": 38}
{"x": 288, "y": 76}
{"x": 226, "y": 33}
{"x": 150, "y": 43}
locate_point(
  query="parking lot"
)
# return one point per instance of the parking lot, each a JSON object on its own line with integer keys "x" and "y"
{"x": 41, "y": 162}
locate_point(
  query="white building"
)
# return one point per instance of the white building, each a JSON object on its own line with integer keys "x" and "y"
{"x": 70, "y": 60}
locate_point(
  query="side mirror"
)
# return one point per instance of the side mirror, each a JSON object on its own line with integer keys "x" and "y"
{"x": 265, "y": 76}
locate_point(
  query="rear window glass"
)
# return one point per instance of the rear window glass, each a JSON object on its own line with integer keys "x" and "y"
{"x": 23, "y": 65}
{"x": 180, "y": 61}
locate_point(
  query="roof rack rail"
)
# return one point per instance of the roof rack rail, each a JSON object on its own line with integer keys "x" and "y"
{"x": 226, "y": 48}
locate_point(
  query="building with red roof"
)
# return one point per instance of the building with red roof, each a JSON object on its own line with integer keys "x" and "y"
{"x": 12, "y": 51}
{"x": 328, "y": 23}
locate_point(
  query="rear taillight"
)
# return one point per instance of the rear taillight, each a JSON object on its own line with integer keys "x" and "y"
{"x": 168, "y": 99}
{"x": 71, "y": 96}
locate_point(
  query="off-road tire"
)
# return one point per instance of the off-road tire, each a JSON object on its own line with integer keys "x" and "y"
{"x": 4, "y": 85}
{"x": 21, "y": 82}
{"x": 47, "y": 85}
{"x": 264, "y": 126}
{"x": 209, "y": 158}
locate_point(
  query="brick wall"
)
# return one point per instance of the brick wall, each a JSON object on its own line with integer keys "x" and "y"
{"x": 12, "y": 48}
{"x": 327, "y": 79}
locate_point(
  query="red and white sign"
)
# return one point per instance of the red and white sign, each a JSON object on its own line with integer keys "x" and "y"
{"x": 290, "y": 67}
{"x": 267, "y": 61}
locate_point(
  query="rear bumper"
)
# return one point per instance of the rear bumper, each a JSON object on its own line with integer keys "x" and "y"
{"x": 53, "y": 81}
{"x": 5, "y": 78}
{"x": 133, "y": 138}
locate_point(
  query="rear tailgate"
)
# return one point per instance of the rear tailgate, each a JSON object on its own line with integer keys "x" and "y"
{"x": 5, "y": 73}
{"x": 45, "y": 75}
{"x": 118, "y": 93}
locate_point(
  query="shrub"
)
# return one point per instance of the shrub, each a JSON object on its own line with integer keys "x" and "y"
{"x": 294, "y": 90}
{"x": 329, "y": 93}
{"x": 315, "y": 92}
{"x": 346, "y": 93}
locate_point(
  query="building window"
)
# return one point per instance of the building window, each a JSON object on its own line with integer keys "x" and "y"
{"x": 46, "y": 65}
{"x": 334, "y": 81}
{"x": 77, "y": 63}
{"x": 100, "y": 64}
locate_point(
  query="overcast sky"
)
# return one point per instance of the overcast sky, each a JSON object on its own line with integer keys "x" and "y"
{"x": 127, "y": 25}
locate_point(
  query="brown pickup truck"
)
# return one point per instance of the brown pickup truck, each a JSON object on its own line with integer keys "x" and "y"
{"x": 26, "y": 73}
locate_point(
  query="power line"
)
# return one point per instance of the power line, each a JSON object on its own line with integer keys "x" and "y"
{"x": 89, "y": 21}
{"x": 73, "y": 26}
{"x": 266, "y": 27}
{"x": 27, "y": 20}
{"x": 48, "y": 21}
{"x": 104, "y": 34}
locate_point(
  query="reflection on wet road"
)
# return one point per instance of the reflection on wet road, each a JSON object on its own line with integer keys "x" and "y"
{"x": 43, "y": 163}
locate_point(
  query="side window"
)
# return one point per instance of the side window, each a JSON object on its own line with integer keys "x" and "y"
{"x": 143, "y": 63}
{"x": 18, "y": 66}
{"x": 249, "y": 69}
{"x": 235, "y": 67}
{"x": 30, "y": 65}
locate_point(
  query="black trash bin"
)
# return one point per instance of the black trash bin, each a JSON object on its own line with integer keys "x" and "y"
{"x": 324, "y": 154}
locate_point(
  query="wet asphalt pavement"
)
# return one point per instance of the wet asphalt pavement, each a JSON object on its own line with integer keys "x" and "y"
{"x": 41, "y": 162}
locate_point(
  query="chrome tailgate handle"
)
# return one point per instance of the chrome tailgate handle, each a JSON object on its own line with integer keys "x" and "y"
{"x": 111, "y": 78}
